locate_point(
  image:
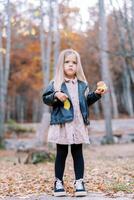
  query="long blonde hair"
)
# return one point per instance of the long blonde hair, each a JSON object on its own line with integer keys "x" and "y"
{"x": 59, "y": 75}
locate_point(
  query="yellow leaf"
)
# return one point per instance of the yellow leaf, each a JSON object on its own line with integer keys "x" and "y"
{"x": 67, "y": 104}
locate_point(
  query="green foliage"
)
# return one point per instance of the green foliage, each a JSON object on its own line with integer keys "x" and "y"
{"x": 116, "y": 187}
{"x": 42, "y": 157}
{"x": 2, "y": 146}
{"x": 12, "y": 126}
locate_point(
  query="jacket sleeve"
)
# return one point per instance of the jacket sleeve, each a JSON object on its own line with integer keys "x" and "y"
{"x": 48, "y": 95}
{"x": 91, "y": 97}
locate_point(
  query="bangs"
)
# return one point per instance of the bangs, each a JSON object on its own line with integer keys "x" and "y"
{"x": 70, "y": 54}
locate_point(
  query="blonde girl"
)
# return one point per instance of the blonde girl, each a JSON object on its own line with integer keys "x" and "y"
{"x": 68, "y": 95}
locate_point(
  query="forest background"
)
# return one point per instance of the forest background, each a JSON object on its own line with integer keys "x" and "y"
{"x": 32, "y": 33}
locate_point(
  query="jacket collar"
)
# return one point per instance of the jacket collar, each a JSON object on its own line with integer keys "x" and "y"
{"x": 67, "y": 80}
{"x": 81, "y": 87}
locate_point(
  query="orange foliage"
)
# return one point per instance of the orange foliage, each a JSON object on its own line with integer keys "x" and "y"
{"x": 26, "y": 75}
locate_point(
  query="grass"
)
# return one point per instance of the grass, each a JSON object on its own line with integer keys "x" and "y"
{"x": 126, "y": 188}
{"x": 2, "y": 146}
{"x": 13, "y": 126}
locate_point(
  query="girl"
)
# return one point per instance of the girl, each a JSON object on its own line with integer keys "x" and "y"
{"x": 68, "y": 95}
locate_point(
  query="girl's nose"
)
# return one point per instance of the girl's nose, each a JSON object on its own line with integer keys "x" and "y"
{"x": 70, "y": 64}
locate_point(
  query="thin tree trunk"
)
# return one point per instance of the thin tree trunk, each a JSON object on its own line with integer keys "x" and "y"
{"x": 8, "y": 110}
{"x": 4, "y": 70}
{"x": 25, "y": 102}
{"x": 8, "y": 47}
{"x": 126, "y": 66}
{"x": 13, "y": 112}
{"x": 127, "y": 91}
{"x": 49, "y": 44}
{"x": 45, "y": 56}
{"x": 120, "y": 27}
{"x": 43, "y": 50}
{"x": 105, "y": 70}
{"x": 113, "y": 96}
{"x": 35, "y": 111}
{"x": 96, "y": 110}
{"x": 42, "y": 42}
{"x": 17, "y": 105}
{"x": 22, "y": 105}
{"x": 132, "y": 13}
{"x": 56, "y": 36}
{"x": 2, "y": 105}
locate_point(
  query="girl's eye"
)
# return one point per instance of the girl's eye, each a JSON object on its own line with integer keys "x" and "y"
{"x": 67, "y": 61}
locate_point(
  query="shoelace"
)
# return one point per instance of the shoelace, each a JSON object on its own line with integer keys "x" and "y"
{"x": 59, "y": 184}
{"x": 78, "y": 184}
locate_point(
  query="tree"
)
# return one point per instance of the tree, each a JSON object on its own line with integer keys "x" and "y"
{"x": 56, "y": 33}
{"x": 4, "y": 68}
{"x": 105, "y": 70}
{"x": 126, "y": 51}
{"x": 46, "y": 61}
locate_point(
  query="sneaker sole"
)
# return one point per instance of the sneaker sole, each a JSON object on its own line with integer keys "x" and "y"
{"x": 60, "y": 194}
{"x": 80, "y": 194}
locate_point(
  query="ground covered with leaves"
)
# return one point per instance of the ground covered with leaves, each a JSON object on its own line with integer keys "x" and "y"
{"x": 108, "y": 169}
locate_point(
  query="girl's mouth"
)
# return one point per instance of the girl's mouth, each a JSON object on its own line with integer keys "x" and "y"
{"x": 71, "y": 69}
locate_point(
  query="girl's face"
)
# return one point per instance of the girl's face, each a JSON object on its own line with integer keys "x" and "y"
{"x": 70, "y": 66}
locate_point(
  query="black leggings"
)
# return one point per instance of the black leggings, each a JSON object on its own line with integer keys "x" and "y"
{"x": 77, "y": 154}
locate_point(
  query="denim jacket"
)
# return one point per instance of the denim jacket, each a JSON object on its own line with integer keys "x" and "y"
{"x": 59, "y": 115}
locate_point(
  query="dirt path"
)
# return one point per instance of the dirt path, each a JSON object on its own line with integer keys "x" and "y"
{"x": 91, "y": 196}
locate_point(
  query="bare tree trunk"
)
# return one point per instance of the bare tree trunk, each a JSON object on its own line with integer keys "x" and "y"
{"x": 132, "y": 13}
{"x": 105, "y": 70}
{"x": 35, "y": 110}
{"x": 42, "y": 42}
{"x": 2, "y": 104}
{"x": 127, "y": 92}
{"x": 8, "y": 46}
{"x": 46, "y": 56}
{"x": 130, "y": 33}
{"x": 56, "y": 37}
{"x": 49, "y": 44}
{"x": 122, "y": 26}
{"x": 96, "y": 110}
{"x": 8, "y": 110}
{"x": 113, "y": 97}
{"x": 13, "y": 107}
{"x": 43, "y": 50}
{"x": 22, "y": 105}
{"x": 18, "y": 108}
{"x": 4, "y": 70}
{"x": 25, "y": 102}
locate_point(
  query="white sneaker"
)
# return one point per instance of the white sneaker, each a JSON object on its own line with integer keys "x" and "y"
{"x": 59, "y": 190}
{"x": 80, "y": 188}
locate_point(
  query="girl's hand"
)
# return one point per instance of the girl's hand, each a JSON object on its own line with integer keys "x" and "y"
{"x": 61, "y": 96}
{"x": 101, "y": 88}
